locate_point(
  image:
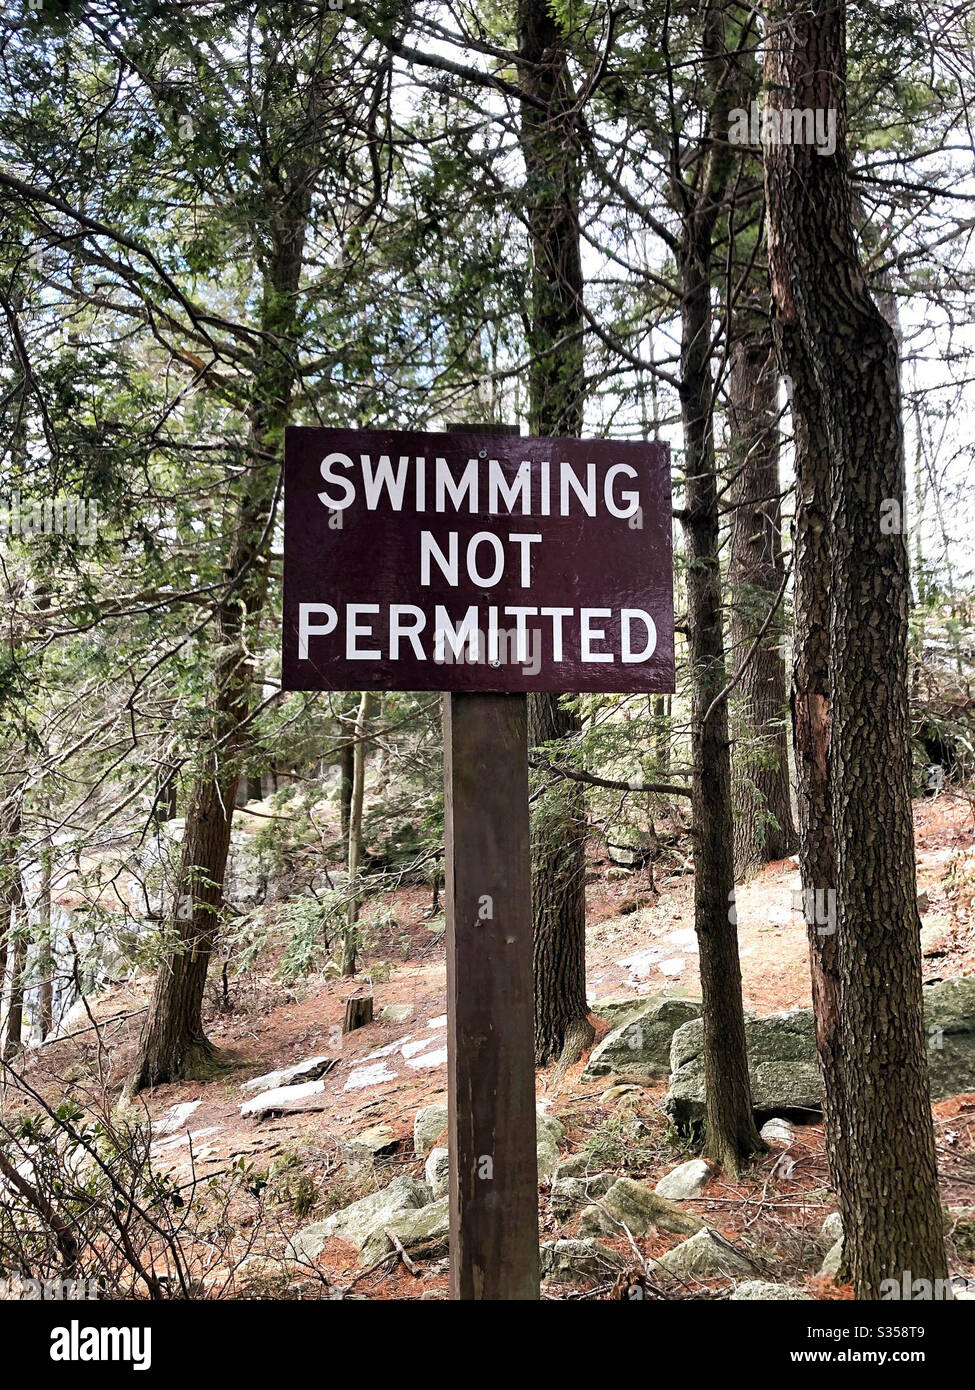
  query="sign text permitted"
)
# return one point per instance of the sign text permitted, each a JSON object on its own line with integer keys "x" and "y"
{"x": 470, "y": 561}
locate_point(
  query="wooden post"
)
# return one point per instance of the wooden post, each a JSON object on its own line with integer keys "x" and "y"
{"x": 491, "y": 1050}
{"x": 490, "y": 984}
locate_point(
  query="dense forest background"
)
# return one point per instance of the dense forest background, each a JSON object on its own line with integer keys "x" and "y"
{"x": 222, "y": 218}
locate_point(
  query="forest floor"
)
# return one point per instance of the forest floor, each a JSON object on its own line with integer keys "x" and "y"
{"x": 640, "y": 938}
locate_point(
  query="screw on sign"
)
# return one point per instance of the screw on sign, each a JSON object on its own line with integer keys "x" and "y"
{"x": 487, "y": 566}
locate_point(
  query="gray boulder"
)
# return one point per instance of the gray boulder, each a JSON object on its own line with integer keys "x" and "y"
{"x": 571, "y": 1193}
{"x": 949, "y": 1020}
{"x": 705, "y": 1256}
{"x": 637, "y": 1208}
{"x": 427, "y": 1226}
{"x": 777, "y": 1131}
{"x": 356, "y": 1223}
{"x": 569, "y": 1261}
{"x": 834, "y": 1257}
{"x": 427, "y": 1127}
{"x": 832, "y": 1228}
{"x": 437, "y": 1171}
{"x": 685, "y": 1181}
{"x": 640, "y": 1047}
{"x": 549, "y": 1133}
{"x": 755, "y": 1289}
{"x": 782, "y": 1064}
{"x": 782, "y": 1059}
{"x": 396, "y": 1013}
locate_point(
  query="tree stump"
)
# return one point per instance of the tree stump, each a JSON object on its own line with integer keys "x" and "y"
{"x": 358, "y": 1012}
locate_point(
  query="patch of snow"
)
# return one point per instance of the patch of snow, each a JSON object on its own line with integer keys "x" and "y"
{"x": 369, "y": 1076}
{"x": 672, "y": 967}
{"x": 429, "y": 1059}
{"x": 685, "y": 940}
{"x": 285, "y": 1100}
{"x": 175, "y": 1118}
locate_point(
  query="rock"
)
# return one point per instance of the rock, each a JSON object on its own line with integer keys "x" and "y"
{"x": 833, "y": 1227}
{"x": 373, "y": 1142}
{"x": 569, "y": 1260}
{"x": 834, "y": 1256}
{"x": 949, "y": 1019}
{"x": 428, "y": 1226}
{"x": 615, "y": 872}
{"x": 309, "y": 1070}
{"x": 549, "y": 1133}
{"x": 356, "y": 1223}
{"x": 782, "y": 1064}
{"x": 704, "y": 1256}
{"x": 396, "y": 1013}
{"x": 286, "y": 1100}
{"x": 638, "y": 1209}
{"x": 777, "y": 1131}
{"x": 615, "y": 1093}
{"x": 617, "y": 1011}
{"x": 571, "y": 1193}
{"x": 755, "y": 1289}
{"x": 575, "y": 1166}
{"x": 429, "y": 1124}
{"x": 685, "y": 1181}
{"x": 437, "y": 1171}
{"x": 782, "y": 1056}
{"x": 640, "y": 1047}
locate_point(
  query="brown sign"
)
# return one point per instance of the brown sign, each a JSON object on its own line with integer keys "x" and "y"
{"x": 476, "y": 562}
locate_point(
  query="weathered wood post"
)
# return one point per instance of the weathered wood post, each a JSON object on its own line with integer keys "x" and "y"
{"x": 490, "y": 1044}
{"x": 490, "y": 1040}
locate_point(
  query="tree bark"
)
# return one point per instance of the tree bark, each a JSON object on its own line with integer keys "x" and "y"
{"x": 810, "y": 723}
{"x": 764, "y": 829}
{"x": 731, "y": 1131}
{"x": 346, "y": 774}
{"x": 45, "y": 947}
{"x": 173, "y": 1043}
{"x": 558, "y": 901}
{"x": 556, "y": 383}
{"x": 892, "y": 1206}
{"x": 13, "y": 1041}
{"x": 350, "y": 935}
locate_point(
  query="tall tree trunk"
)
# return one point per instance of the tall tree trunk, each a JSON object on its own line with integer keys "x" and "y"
{"x": 13, "y": 947}
{"x": 346, "y": 775}
{"x": 173, "y": 1043}
{"x": 45, "y": 947}
{"x": 350, "y": 935}
{"x": 731, "y": 1131}
{"x": 810, "y": 724}
{"x": 763, "y": 825}
{"x": 558, "y": 904}
{"x": 13, "y": 1042}
{"x": 892, "y": 1207}
{"x": 556, "y": 382}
